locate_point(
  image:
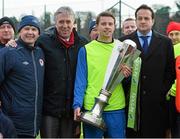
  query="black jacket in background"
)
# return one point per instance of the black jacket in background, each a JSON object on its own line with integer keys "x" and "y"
{"x": 60, "y": 70}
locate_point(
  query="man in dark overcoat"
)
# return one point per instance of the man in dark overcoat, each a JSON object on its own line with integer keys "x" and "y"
{"x": 156, "y": 77}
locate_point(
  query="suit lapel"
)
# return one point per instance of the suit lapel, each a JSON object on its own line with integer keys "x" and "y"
{"x": 154, "y": 43}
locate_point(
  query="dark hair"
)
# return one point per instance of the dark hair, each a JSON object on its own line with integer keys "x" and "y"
{"x": 144, "y": 6}
{"x": 106, "y": 13}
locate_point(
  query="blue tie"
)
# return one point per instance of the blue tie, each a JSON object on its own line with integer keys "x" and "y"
{"x": 145, "y": 43}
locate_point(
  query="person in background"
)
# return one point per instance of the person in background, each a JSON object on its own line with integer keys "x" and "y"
{"x": 91, "y": 67}
{"x": 61, "y": 45}
{"x": 173, "y": 32}
{"x": 156, "y": 77}
{"x": 93, "y": 32}
{"x": 7, "y": 30}
{"x": 21, "y": 79}
{"x": 128, "y": 26}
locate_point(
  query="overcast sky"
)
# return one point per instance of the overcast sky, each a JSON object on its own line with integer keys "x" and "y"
{"x": 36, "y": 7}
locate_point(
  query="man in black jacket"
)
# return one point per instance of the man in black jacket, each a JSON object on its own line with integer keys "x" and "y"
{"x": 7, "y": 30}
{"x": 157, "y": 75}
{"x": 60, "y": 45}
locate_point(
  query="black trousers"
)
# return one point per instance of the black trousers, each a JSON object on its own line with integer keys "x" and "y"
{"x": 59, "y": 127}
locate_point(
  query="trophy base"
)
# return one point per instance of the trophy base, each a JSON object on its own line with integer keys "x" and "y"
{"x": 93, "y": 120}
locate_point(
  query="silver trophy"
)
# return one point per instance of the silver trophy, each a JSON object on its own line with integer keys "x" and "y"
{"x": 123, "y": 53}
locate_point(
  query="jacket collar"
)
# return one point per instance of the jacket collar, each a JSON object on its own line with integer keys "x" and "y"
{"x": 52, "y": 32}
{"x": 154, "y": 43}
{"x": 24, "y": 44}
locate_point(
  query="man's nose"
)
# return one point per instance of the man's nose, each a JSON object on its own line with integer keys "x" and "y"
{"x": 6, "y": 29}
{"x": 30, "y": 31}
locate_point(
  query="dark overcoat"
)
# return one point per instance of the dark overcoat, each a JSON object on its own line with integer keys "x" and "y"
{"x": 156, "y": 77}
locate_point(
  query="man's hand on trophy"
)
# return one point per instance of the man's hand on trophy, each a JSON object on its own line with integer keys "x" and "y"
{"x": 126, "y": 71}
{"x": 77, "y": 114}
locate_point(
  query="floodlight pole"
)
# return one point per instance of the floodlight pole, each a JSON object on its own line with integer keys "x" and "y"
{"x": 2, "y": 8}
{"x": 120, "y": 17}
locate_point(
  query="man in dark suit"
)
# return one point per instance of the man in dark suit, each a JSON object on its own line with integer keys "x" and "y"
{"x": 156, "y": 78}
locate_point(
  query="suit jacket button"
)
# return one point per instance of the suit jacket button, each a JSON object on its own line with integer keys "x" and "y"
{"x": 144, "y": 92}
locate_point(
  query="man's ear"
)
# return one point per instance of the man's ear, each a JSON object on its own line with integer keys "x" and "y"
{"x": 153, "y": 21}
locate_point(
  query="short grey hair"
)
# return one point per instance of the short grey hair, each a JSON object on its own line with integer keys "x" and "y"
{"x": 64, "y": 9}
